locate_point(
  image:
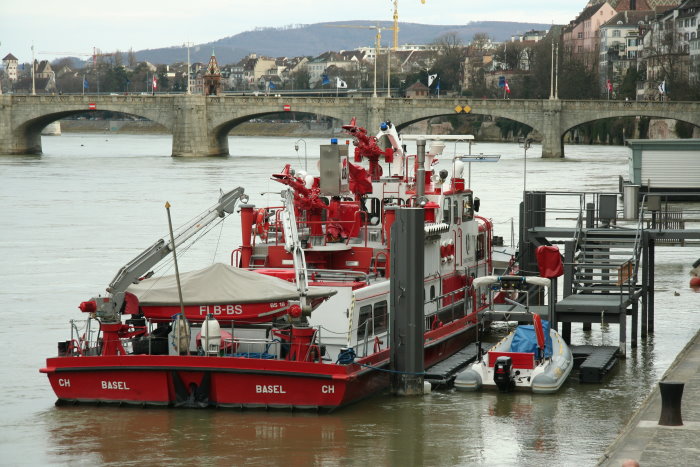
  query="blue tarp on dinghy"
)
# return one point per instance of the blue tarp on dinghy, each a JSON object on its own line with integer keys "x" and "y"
{"x": 525, "y": 339}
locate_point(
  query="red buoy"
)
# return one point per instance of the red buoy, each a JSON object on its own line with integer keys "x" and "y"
{"x": 695, "y": 283}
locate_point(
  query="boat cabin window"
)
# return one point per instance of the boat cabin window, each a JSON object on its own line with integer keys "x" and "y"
{"x": 481, "y": 246}
{"x": 380, "y": 317}
{"x": 468, "y": 208}
{"x": 446, "y": 209}
{"x": 432, "y": 293}
{"x": 364, "y": 326}
{"x": 373, "y": 320}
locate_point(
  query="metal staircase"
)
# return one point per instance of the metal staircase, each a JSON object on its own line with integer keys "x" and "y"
{"x": 606, "y": 262}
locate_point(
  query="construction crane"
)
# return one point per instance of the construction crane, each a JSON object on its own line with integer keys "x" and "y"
{"x": 377, "y": 48}
{"x": 396, "y": 23}
{"x": 95, "y": 53}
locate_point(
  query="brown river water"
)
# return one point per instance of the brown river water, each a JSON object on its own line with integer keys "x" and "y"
{"x": 73, "y": 216}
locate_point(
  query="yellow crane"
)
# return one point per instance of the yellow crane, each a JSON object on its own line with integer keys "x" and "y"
{"x": 377, "y": 48}
{"x": 396, "y": 22}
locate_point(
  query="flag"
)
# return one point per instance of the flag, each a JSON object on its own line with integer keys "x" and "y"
{"x": 85, "y": 83}
{"x": 662, "y": 87}
{"x": 505, "y": 85}
{"x": 609, "y": 86}
{"x": 272, "y": 85}
{"x": 431, "y": 78}
{"x": 155, "y": 82}
{"x": 324, "y": 79}
{"x": 437, "y": 86}
{"x": 339, "y": 83}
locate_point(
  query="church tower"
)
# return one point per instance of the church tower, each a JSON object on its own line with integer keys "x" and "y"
{"x": 212, "y": 78}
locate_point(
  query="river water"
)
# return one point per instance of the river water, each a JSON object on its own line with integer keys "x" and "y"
{"x": 73, "y": 216}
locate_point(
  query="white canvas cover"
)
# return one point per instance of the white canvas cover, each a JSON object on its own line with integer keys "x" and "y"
{"x": 219, "y": 284}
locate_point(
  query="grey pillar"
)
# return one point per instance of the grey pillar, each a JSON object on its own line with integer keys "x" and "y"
{"x": 552, "y": 132}
{"x": 650, "y": 303}
{"x": 406, "y": 299}
{"x": 645, "y": 282}
{"x": 191, "y": 136}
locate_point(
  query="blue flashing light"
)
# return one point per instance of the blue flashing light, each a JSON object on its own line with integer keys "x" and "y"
{"x": 383, "y": 126}
{"x": 334, "y": 140}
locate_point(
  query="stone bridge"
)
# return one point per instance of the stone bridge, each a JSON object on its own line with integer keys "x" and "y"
{"x": 200, "y": 125}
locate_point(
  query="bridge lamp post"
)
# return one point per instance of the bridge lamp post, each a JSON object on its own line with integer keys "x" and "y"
{"x": 188, "y": 45}
{"x": 33, "y": 82}
{"x": 296, "y": 148}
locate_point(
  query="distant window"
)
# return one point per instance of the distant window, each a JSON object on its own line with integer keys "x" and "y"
{"x": 616, "y": 33}
{"x": 580, "y": 35}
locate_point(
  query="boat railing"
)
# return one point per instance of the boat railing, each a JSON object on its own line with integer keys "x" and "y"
{"x": 254, "y": 348}
{"x": 454, "y": 309}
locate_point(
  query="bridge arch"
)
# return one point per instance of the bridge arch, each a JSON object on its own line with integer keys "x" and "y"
{"x": 574, "y": 121}
{"x": 25, "y": 127}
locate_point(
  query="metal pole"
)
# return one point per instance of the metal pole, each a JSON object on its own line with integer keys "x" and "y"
{"x": 177, "y": 271}
{"x": 420, "y": 170}
{"x": 188, "y": 45}
{"x": 388, "y": 72}
{"x": 556, "y": 71}
{"x": 33, "y": 83}
{"x": 376, "y": 57}
{"x": 551, "y": 81}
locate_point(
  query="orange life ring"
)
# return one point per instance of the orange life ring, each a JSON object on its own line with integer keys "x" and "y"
{"x": 262, "y": 225}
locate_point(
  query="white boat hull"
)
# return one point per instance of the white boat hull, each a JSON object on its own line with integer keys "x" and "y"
{"x": 543, "y": 377}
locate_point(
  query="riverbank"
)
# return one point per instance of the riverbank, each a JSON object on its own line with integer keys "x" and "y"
{"x": 649, "y": 443}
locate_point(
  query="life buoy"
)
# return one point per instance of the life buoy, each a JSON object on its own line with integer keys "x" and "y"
{"x": 262, "y": 225}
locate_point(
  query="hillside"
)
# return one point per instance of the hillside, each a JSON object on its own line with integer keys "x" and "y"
{"x": 313, "y": 39}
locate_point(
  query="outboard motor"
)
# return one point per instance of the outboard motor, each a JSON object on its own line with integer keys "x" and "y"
{"x": 503, "y": 374}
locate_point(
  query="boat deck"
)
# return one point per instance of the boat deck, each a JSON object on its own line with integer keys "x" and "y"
{"x": 444, "y": 372}
{"x": 596, "y": 361}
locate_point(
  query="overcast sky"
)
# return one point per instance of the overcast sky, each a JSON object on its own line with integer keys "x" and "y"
{"x": 76, "y": 26}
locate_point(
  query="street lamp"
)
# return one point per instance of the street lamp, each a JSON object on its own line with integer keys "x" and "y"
{"x": 188, "y": 45}
{"x": 296, "y": 148}
{"x": 525, "y": 143}
{"x": 33, "y": 83}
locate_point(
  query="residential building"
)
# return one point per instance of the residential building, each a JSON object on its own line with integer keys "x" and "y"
{"x": 10, "y": 62}
{"x": 580, "y": 37}
{"x": 620, "y": 45}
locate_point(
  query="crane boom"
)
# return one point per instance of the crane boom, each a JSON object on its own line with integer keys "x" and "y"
{"x": 109, "y": 308}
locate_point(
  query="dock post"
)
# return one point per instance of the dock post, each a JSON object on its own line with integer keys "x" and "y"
{"x": 623, "y": 333}
{"x": 650, "y": 302}
{"x": 645, "y": 284}
{"x": 590, "y": 223}
{"x": 406, "y": 296}
{"x": 671, "y": 396}
{"x": 635, "y": 323}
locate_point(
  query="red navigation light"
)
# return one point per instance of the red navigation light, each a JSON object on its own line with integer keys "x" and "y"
{"x": 295, "y": 311}
{"x": 88, "y": 307}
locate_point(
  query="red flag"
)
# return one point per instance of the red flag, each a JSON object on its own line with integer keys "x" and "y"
{"x": 609, "y": 86}
{"x": 507, "y": 87}
{"x": 155, "y": 82}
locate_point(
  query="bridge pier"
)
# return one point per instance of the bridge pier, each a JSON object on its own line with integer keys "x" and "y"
{"x": 24, "y": 139}
{"x": 191, "y": 134}
{"x": 552, "y": 141}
